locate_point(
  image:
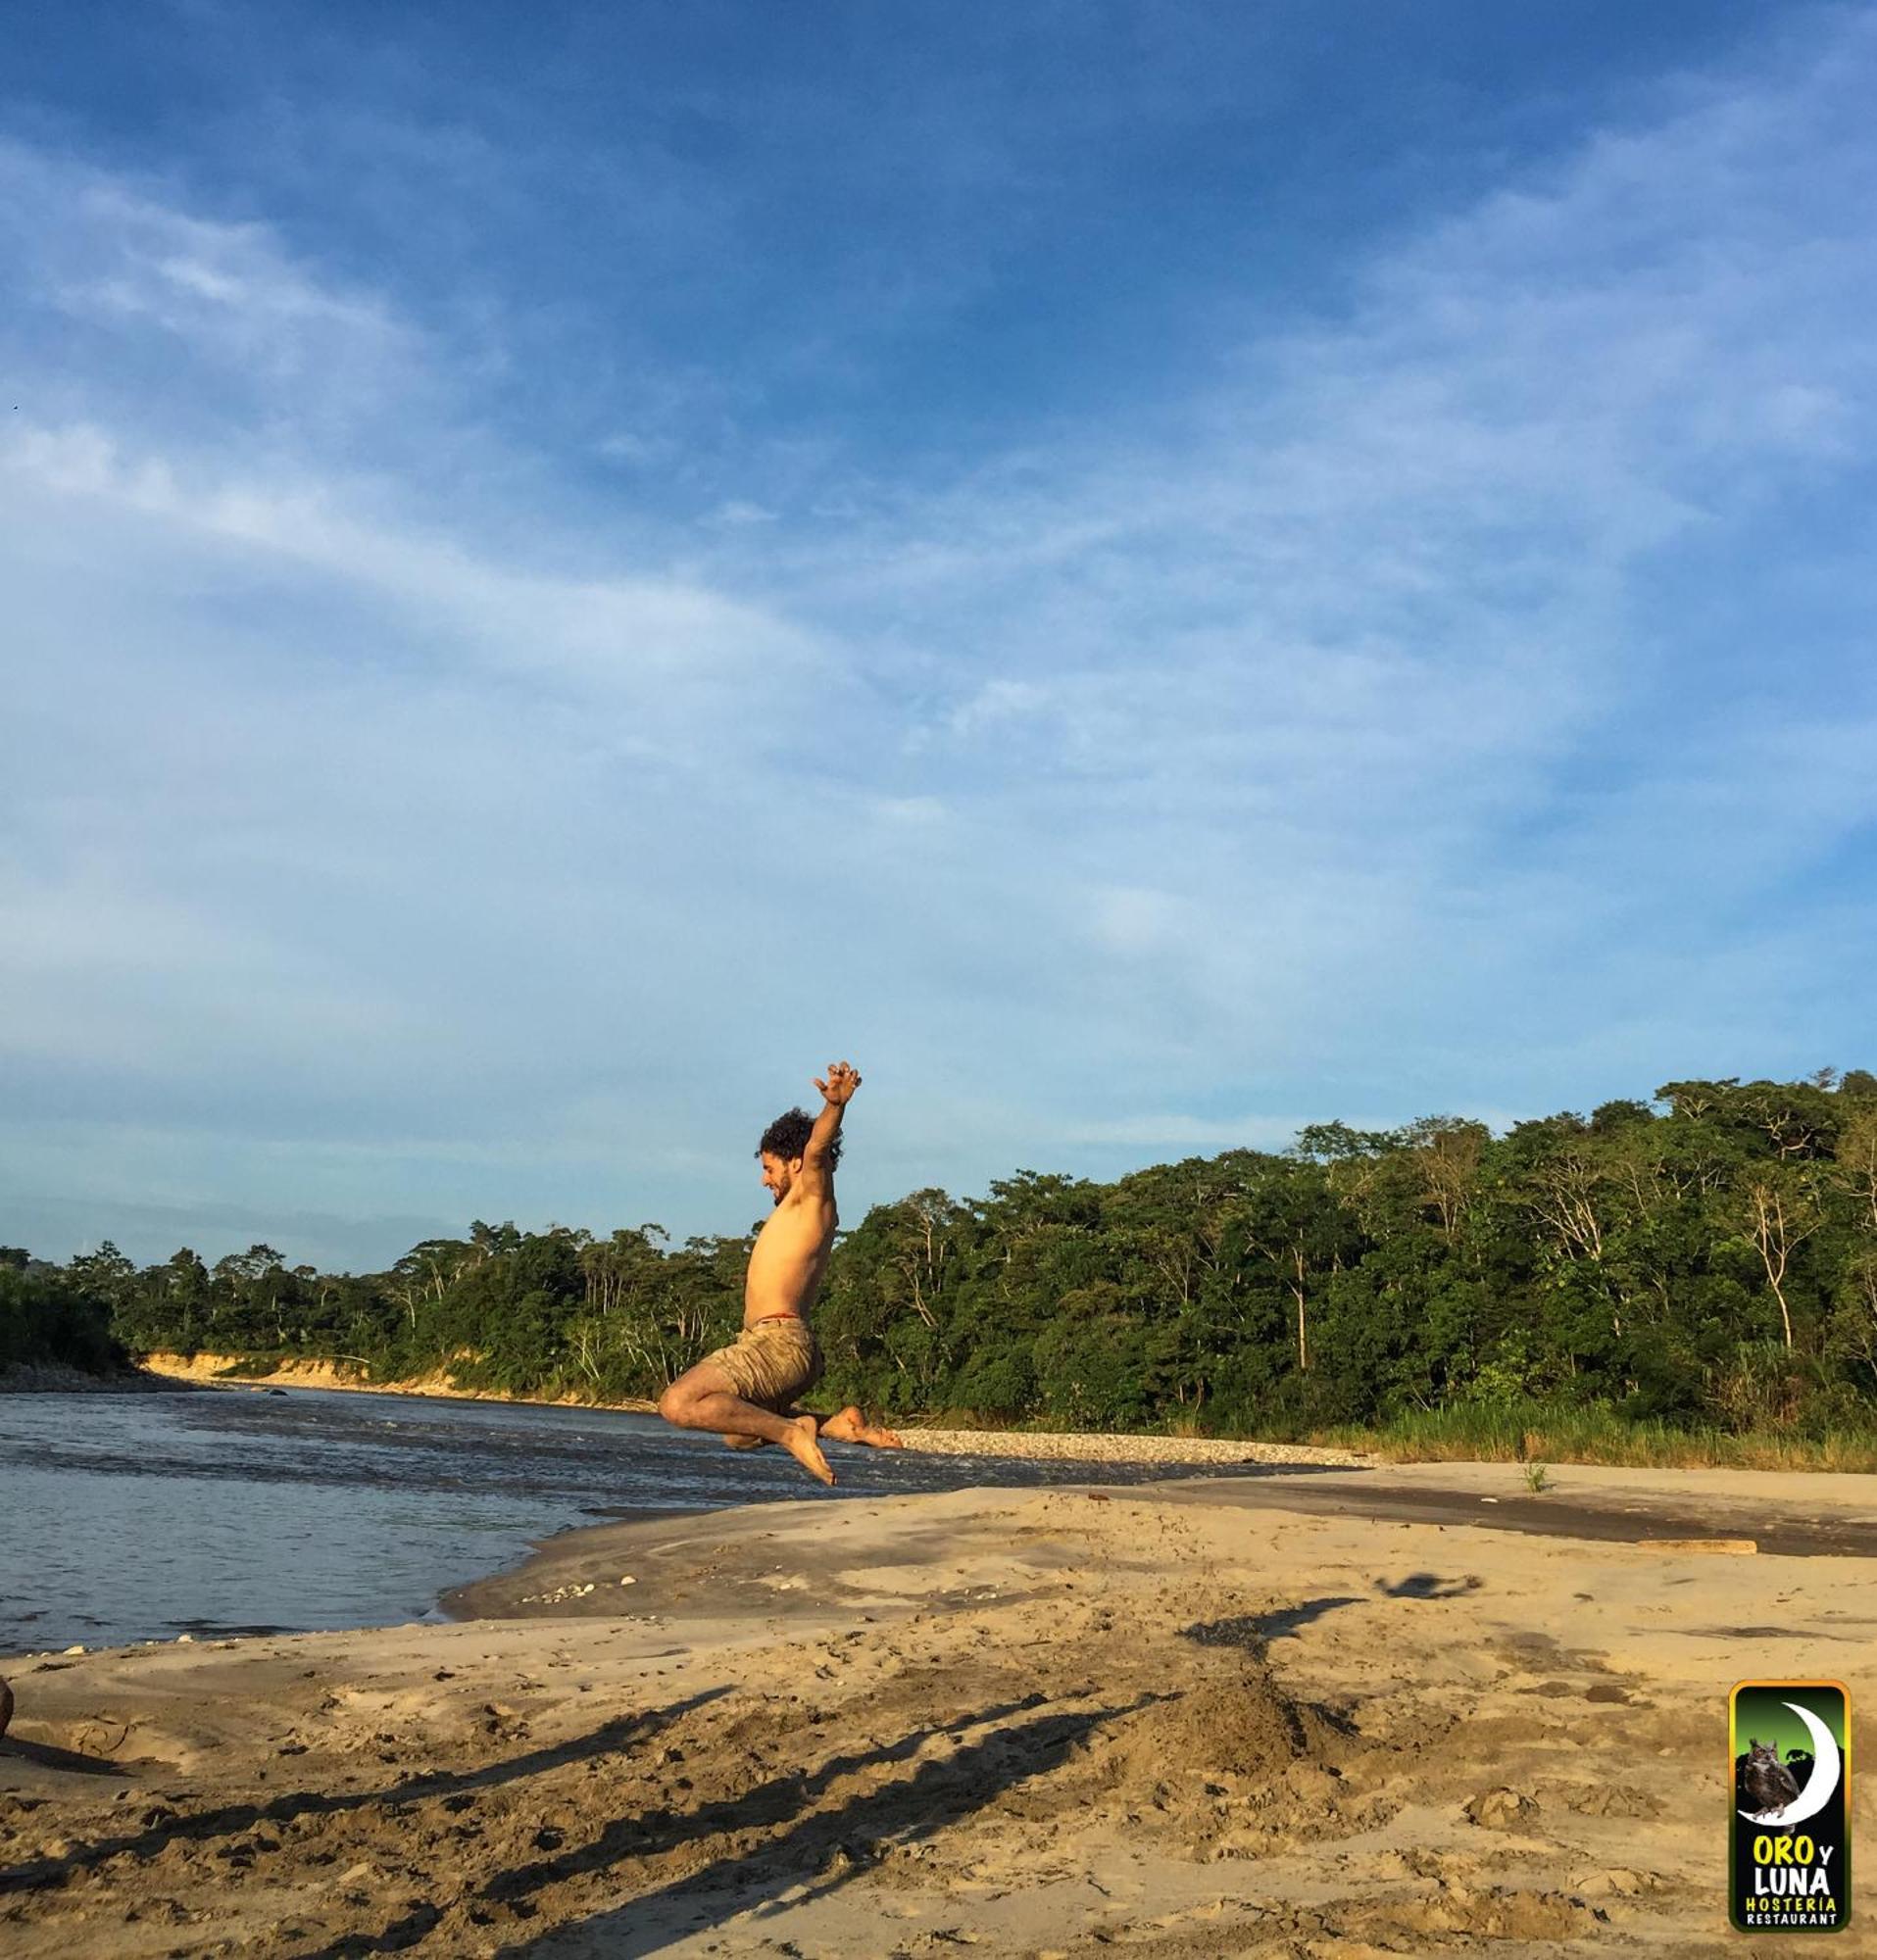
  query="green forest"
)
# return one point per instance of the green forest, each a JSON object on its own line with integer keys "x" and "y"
{"x": 1706, "y": 1260}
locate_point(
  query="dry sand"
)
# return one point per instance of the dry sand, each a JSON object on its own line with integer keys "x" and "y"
{"x": 1083, "y": 1448}
{"x": 1217, "y": 1717}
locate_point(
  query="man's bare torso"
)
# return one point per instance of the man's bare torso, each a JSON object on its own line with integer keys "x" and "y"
{"x": 747, "y": 1404}
{"x": 790, "y": 1257}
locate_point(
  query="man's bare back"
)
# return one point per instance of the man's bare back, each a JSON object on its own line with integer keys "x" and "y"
{"x": 746, "y": 1391}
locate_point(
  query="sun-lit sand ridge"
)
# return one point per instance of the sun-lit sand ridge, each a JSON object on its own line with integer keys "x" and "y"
{"x": 1187, "y": 1720}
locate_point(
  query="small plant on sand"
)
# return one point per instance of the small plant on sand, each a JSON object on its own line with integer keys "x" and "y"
{"x": 1535, "y": 1478}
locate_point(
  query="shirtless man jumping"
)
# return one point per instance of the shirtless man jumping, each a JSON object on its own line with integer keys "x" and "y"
{"x": 747, "y": 1391}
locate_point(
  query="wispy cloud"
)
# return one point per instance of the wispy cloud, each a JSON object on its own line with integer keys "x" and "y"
{"x": 1374, "y": 722}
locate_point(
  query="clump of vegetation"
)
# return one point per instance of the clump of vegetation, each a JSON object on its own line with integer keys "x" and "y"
{"x": 1687, "y": 1280}
{"x": 50, "y": 1318}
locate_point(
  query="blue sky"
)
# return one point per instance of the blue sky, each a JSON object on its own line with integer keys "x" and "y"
{"x": 1151, "y": 574}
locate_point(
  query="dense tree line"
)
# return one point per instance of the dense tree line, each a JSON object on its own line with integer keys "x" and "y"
{"x": 50, "y": 1318}
{"x": 1710, "y": 1257}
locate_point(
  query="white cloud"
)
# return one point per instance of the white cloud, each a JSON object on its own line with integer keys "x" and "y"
{"x": 677, "y": 653}
{"x": 115, "y": 278}
{"x": 739, "y": 510}
{"x": 995, "y": 702}
{"x": 638, "y": 451}
{"x": 1334, "y": 739}
{"x": 1127, "y": 918}
{"x": 1170, "y": 1130}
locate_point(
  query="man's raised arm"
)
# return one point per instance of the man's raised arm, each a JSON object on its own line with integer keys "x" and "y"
{"x": 837, "y": 1091}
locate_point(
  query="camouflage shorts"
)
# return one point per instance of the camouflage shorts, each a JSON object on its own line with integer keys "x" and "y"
{"x": 770, "y": 1363}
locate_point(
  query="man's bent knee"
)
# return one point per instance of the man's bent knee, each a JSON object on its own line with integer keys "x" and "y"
{"x": 679, "y": 1402}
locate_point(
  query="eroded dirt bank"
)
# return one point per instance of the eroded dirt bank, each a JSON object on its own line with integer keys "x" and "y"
{"x": 319, "y": 1373}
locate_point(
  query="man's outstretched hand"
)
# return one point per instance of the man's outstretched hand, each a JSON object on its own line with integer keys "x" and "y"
{"x": 842, "y": 1081}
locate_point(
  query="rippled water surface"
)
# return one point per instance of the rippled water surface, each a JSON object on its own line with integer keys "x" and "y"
{"x": 129, "y": 1517}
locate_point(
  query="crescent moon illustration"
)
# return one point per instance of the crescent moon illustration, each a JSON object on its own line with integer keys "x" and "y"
{"x": 1818, "y": 1785}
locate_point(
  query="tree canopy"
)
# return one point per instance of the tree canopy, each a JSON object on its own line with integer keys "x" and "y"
{"x": 1708, "y": 1255}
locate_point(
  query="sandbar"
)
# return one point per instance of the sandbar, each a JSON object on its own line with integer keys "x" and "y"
{"x": 1320, "y": 1712}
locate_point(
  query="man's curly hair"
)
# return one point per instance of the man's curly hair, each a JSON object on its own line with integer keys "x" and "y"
{"x": 787, "y": 1138}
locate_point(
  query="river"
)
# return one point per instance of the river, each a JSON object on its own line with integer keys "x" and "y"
{"x": 225, "y": 1510}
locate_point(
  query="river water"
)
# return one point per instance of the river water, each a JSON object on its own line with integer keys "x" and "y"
{"x": 143, "y": 1516}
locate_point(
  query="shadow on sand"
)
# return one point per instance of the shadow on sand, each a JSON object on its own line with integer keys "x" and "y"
{"x": 164, "y": 1827}
{"x": 816, "y": 1854}
{"x": 1254, "y": 1632}
{"x": 50, "y": 1757}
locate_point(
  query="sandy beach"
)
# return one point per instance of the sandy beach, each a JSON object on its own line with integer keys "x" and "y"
{"x": 1316, "y": 1711}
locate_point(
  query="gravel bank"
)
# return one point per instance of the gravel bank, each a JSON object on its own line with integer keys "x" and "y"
{"x": 53, "y": 1378}
{"x": 1083, "y": 1447}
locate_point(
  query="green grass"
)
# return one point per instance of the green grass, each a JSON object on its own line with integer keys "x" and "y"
{"x": 1538, "y": 1435}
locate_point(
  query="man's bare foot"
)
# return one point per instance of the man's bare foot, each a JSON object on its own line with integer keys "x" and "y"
{"x": 745, "y": 1442}
{"x": 850, "y": 1426}
{"x": 800, "y": 1444}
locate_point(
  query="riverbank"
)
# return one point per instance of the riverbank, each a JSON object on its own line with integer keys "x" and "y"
{"x": 230, "y": 1370}
{"x": 39, "y": 1378}
{"x": 1034, "y": 1445}
{"x": 1178, "y": 1721}
{"x": 1535, "y": 1436}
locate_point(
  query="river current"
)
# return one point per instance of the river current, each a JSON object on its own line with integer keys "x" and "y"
{"x": 143, "y": 1516}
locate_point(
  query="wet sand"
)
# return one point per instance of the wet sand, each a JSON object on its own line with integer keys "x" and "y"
{"x": 1259, "y": 1715}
